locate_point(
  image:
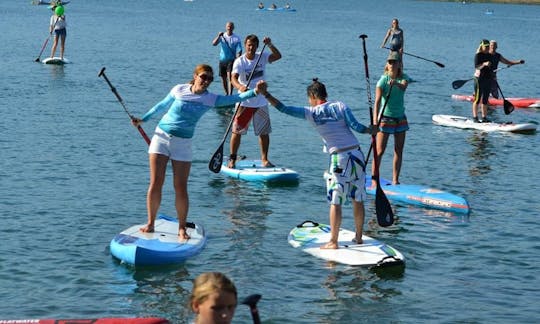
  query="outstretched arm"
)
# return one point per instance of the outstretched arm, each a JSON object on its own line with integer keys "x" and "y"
{"x": 276, "y": 54}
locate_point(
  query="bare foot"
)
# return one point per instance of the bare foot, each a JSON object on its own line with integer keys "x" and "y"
{"x": 147, "y": 228}
{"x": 330, "y": 246}
{"x": 183, "y": 235}
{"x": 231, "y": 164}
{"x": 358, "y": 240}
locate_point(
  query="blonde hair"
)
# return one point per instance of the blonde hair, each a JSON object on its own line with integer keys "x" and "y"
{"x": 200, "y": 69}
{"x": 208, "y": 283}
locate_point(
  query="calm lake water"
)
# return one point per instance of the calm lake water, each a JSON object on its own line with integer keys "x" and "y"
{"x": 73, "y": 171}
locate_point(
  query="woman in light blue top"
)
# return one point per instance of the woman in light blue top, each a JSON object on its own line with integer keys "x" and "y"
{"x": 185, "y": 105}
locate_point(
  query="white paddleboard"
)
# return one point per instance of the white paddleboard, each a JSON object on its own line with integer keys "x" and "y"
{"x": 55, "y": 60}
{"x": 163, "y": 246}
{"x": 310, "y": 236}
{"x": 466, "y": 123}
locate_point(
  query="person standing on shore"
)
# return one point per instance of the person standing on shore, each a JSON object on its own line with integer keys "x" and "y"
{"x": 230, "y": 49}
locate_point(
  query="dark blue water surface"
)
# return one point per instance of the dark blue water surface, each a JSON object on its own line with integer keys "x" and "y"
{"x": 73, "y": 172}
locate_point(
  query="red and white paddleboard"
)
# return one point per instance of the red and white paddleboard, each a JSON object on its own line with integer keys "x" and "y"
{"x": 517, "y": 102}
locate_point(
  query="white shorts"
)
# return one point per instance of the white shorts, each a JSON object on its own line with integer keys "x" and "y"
{"x": 176, "y": 148}
{"x": 346, "y": 178}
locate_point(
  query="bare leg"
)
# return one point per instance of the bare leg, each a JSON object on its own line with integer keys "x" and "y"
{"x": 181, "y": 174}
{"x": 399, "y": 144}
{"x": 264, "y": 142}
{"x": 381, "y": 141}
{"x": 55, "y": 43}
{"x": 335, "y": 223}
{"x": 234, "y": 145}
{"x": 158, "y": 165}
{"x": 359, "y": 214}
{"x": 484, "y": 111}
{"x": 62, "y": 46}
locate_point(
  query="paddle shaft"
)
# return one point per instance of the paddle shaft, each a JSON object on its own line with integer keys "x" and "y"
{"x": 383, "y": 209}
{"x": 45, "y": 43}
{"x": 422, "y": 58}
{"x": 113, "y": 89}
{"x": 217, "y": 159}
{"x": 460, "y": 83}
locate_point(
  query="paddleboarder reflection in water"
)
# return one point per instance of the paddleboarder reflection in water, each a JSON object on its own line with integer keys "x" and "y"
{"x": 346, "y": 176}
{"x": 389, "y": 94}
{"x": 213, "y": 298}
{"x": 185, "y": 104}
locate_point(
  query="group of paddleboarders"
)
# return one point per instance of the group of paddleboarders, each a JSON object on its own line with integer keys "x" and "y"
{"x": 185, "y": 104}
{"x": 486, "y": 63}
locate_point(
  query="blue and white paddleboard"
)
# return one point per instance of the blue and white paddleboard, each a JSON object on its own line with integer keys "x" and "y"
{"x": 310, "y": 236}
{"x": 420, "y": 196}
{"x": 163, "y": 246}
{"x": 55, "y": 60}
{"x": 252, "y": 170}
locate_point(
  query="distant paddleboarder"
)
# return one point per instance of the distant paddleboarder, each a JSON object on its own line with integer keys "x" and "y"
{"x": 58, "y": 26}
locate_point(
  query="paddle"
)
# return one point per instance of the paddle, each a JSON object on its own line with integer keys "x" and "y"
{"x": 252, "y": 301}
{"x": 383, "y": 209}
{"x": 113, "y": 89}
{"x": 422, "y": 58}
{"x": 45, "y": 43}
{"x": 459, "y": 83}
{"x": 508, "y": 106}
{"x": 217, "y": 159}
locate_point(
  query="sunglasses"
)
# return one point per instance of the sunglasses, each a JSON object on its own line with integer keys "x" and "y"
{"x": 206, "y": 77}
{"x": 392, "y": 61}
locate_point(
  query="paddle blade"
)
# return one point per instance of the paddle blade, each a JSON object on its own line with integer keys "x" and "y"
{"x": 217, "y": 159}
{"x": 439, "y": 64}
{"x": 508, "y": 107}
{"x": 459, "y": 83}
{"x": 385, "y": 215}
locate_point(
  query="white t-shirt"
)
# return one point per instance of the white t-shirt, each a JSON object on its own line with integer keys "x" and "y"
{"x": 243, "y": 67}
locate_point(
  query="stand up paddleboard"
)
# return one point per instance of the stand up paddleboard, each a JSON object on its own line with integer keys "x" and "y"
{"x": 310, "y": 236}
{"x": 115, "y": 320}
{"x": 466, "y": 123}
{"x": 46, "y": 2}
{"x": 516, "y": 102}
{"x": 420, "y": 196}
{"x": 163, "y": 246}
{"x": 252, "y": 170}
{"x": 55, "y": 60}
